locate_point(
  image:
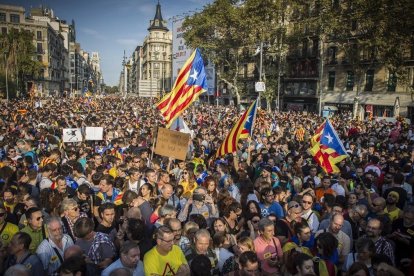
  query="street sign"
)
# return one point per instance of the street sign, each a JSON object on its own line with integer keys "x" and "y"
{"x": 260, "y": 86}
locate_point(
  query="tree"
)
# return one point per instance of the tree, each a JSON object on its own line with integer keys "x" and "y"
{"x": 220, "y": 32}
{"x": 20, "y": 55}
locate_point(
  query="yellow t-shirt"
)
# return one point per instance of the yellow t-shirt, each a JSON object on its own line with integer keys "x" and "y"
{"x": 188, "y": 192}
{"x": 112, "y": 172}
{"x": 8, "y": 233}
{"x": 393, "y": 214}
{"x": 156, "y": 264}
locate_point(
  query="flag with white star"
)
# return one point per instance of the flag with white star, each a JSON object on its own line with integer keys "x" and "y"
{"x": 190, "y": 83}
{"x": 327, "y": 149}
{"x": 241, "y": 130}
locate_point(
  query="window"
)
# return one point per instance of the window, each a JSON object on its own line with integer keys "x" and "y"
{"x": 392, "y": 82}
{"x": 369, "y": 80}
{"x": 304, "y": 48}
{"x": 3, "y": 30}
{"x": 331, "y": 81}
{"x": 40, "y": 58}
{"x": 350, "y": 79}
{"x": 332, "y": 55}
{"x": 14, "y": 18}
{"x": 2, "y": 17}
{"x": 39, "y": 35}
{"x": 39, "y": 48}
{"x": 315, "y": 47}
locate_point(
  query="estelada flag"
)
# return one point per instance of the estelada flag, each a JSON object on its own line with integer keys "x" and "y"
{"x": 190, "y": 83}
{"x": 327, "y": 149}
{"x": 242, "y": 129}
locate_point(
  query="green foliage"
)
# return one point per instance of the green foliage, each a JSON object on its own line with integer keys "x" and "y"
{"x": 18, "y": 52}
{"x": 111, "y": 89}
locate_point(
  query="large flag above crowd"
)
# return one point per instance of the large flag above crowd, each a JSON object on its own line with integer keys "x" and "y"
{"x": 242, "y": 129}
{"x": 190, "y": 83}
{"x": 327, "y": 149}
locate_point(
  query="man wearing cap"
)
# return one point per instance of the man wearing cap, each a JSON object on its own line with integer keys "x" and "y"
{"x": 391, "y": 206}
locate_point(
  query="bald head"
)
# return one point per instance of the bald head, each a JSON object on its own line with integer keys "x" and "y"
{"x": 337, "y": 222}
{"x": 379, "y": 202}
{"x": 73, "y": 250}
{"x": 134, "y": 212}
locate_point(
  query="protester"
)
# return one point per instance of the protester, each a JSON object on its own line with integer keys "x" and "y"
{"x": 125, "y": 188}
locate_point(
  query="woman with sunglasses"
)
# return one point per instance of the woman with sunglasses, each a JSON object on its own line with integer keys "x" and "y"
{"x": 188, "y": 182}
{"x": 251, "y": 228}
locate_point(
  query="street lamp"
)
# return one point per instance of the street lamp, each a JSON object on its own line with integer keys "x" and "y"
{"x": 6, "y": 52}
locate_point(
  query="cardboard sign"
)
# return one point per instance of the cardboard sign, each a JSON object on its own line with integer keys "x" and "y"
{"x": 72, "y": 135}
{"x": 172, "y": 143}
{"x": 94, "y": 133}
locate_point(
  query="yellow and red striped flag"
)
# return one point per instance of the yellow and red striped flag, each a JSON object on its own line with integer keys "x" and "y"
{"x": 242, "y": 129}
{"x": 190, "y": 83}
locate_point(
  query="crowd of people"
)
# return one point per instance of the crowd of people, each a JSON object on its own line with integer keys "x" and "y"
{"x": 114, "y": 207}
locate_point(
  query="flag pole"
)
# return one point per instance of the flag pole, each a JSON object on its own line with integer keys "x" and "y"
{"x": 153, "y": 145}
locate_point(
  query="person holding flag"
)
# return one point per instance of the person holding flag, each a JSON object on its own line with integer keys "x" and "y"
{"x": 327, "y": 149}
{"x": 241, "y": 130}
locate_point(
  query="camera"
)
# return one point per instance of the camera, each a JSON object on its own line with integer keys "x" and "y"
{"x": 199, "y": 197}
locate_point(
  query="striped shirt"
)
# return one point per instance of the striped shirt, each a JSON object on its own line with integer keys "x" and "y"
{"x": 50, "y": 259}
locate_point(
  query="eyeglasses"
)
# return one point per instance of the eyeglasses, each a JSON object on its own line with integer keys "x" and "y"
{"x": 2, "y": 214}
{"x": 294, "y": 206}
{"x": 170, "y": 241}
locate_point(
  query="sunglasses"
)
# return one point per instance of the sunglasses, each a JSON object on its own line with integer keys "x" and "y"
{"x": 294, "y": 206}
{"x": 39, "y": 218}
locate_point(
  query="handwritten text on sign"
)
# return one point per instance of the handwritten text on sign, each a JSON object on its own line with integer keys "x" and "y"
{"x": 172, "y": 143}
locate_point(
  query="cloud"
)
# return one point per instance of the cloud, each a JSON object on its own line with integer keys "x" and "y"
{"x": 93, "y": 33}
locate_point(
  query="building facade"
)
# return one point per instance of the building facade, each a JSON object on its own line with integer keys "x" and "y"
{"x": 156, "y": 55}
{"x": 64, "y": 65}
{"x": 50, "y": 50}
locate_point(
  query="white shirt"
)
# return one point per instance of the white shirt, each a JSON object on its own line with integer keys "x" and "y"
{"x": 50, "y": 260}
{"x": 339, "y": 190}
{"x": 138, "y": 271}
{"x": 133, "y": 186}
{"x": 312, "y": 220}
{"x": 316, "y": 179}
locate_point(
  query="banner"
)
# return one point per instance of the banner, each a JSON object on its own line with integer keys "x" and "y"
{"x": 72, "y": 135}
{"x": 172, "y": 143}
{"x": 94, "y": 133}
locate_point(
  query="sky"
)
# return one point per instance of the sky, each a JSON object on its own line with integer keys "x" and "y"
{"x": 111, "y": 26}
